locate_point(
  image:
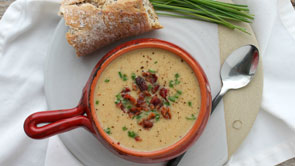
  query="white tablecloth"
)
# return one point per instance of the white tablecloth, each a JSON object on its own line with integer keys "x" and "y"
{"x": 26, "y": 29}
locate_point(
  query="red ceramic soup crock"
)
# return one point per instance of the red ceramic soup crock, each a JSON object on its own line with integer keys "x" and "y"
{"x": 59, "y": 121}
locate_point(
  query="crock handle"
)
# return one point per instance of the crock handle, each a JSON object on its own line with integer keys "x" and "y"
{"x": 57, "y": 121}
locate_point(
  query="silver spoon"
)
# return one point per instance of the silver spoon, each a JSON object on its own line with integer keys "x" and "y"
{"x": 237, "y": 71}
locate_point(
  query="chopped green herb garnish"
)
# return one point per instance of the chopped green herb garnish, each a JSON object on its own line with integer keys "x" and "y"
{"x": 124, "y": 128}
{"x": 157, "y": 117}
{"x": 174, "y": 82}
{"x": 125, "y": 78}
{"x": 120, "y": 74}
{"x": 125, "y": 101}
{"x": 154, "y": 111}
{"x": 119, "y": 98}
{"x": 132, "y": 134}
{"x": 108, "y": 131}
{"x": 172, "y": 98}
{"x": 106, "y": 80}
{"x": 146, "y": 113}
{"x": 179, "y": 92}
{"x": 171, "y": 84}
{"x": 155, "y": 62}
{"x": 193, "y": 117}
{"x": 189, "y": 103}
{"x": 152, "y": 71}
{"x": 150, "y": 87}
{"x": 133, "y": 76}
{"x": 167, "y": 103}
{"x": 138, "y": 117}
{"x": 148, "y": 99}
{"x": 97, "y": 102}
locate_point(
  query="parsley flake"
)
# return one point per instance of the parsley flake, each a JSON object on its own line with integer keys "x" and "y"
{"x": 133, "y": 76}
{"x": 172, "y": 98}
{"x": 171, "y": 83}
{"x": 108, "y": 131}
{"x": 193, "y": 117}
{"x": 120, "y": 74}
{"x": 123, "y": 76}
{"x": 167, "y": 103}
{"x": 189, "y": 103}
{"x": 152, "y": 71}
{"x": 132, "y": 134}
{"x": 124, "y": 128}
{"x": 179, "y": 92}
{"x": 157, "y": 117}
{"x": 150, "y": 87}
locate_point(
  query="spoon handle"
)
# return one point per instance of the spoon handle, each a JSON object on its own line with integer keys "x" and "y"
{"x": 216, "y": 100}
{"x": 218, "y": 97}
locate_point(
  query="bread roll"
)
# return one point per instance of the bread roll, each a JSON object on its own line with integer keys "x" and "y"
{"x": 96, "y": 23}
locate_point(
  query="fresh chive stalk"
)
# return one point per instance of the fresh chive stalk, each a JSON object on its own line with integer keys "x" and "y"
{"x": 207, "y": 10}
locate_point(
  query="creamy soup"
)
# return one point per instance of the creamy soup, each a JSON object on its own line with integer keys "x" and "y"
{"x": 147, "y": 99}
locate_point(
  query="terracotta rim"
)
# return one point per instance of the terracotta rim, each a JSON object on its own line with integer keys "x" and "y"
{"x": 199, "y": 73}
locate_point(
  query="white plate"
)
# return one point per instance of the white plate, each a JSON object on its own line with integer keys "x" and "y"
{"x": 66, "y": 75}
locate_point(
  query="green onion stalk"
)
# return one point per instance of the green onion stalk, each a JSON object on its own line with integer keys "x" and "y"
{"x": 207, "y": 10}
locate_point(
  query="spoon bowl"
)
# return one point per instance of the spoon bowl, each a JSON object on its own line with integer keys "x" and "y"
{"x": 238, "y": 70}
{"x": 240, "y": 67}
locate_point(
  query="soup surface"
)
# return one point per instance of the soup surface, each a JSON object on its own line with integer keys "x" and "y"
{"x": 147, "y": 99}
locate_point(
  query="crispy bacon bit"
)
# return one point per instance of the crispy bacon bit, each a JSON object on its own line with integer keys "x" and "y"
{"x": 145, "y": 108}
{"x": 150, "y": 77}
{"x": 164, "y": 93}
{"x": 129, "y": 97}
{"x": 145, "y": 74}
{"x": 138, "y": 139}
{"x": 140, "y": 100}
{"x": 165, "y": 111}
{"x": 155, "y": 88}
{"x": 135, "y": 110}
{"x": 159, "y": 106}
{"x": 155, "y": 100}
{"x": 146, "y": 124}
{"x": 131, "y": 115}
{"x": 140, "y": 82}
{"x": 134, "y": 87}
{"x": 121, "y": 106}
{"x": 152, "y": 106}
{"x": 151, "y": 116}
{"x": 146, "y": 93}
{"x": 125, "y": 90}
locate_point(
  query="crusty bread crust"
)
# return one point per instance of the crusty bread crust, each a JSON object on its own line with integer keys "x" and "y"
{"x": 98, "y": 23}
